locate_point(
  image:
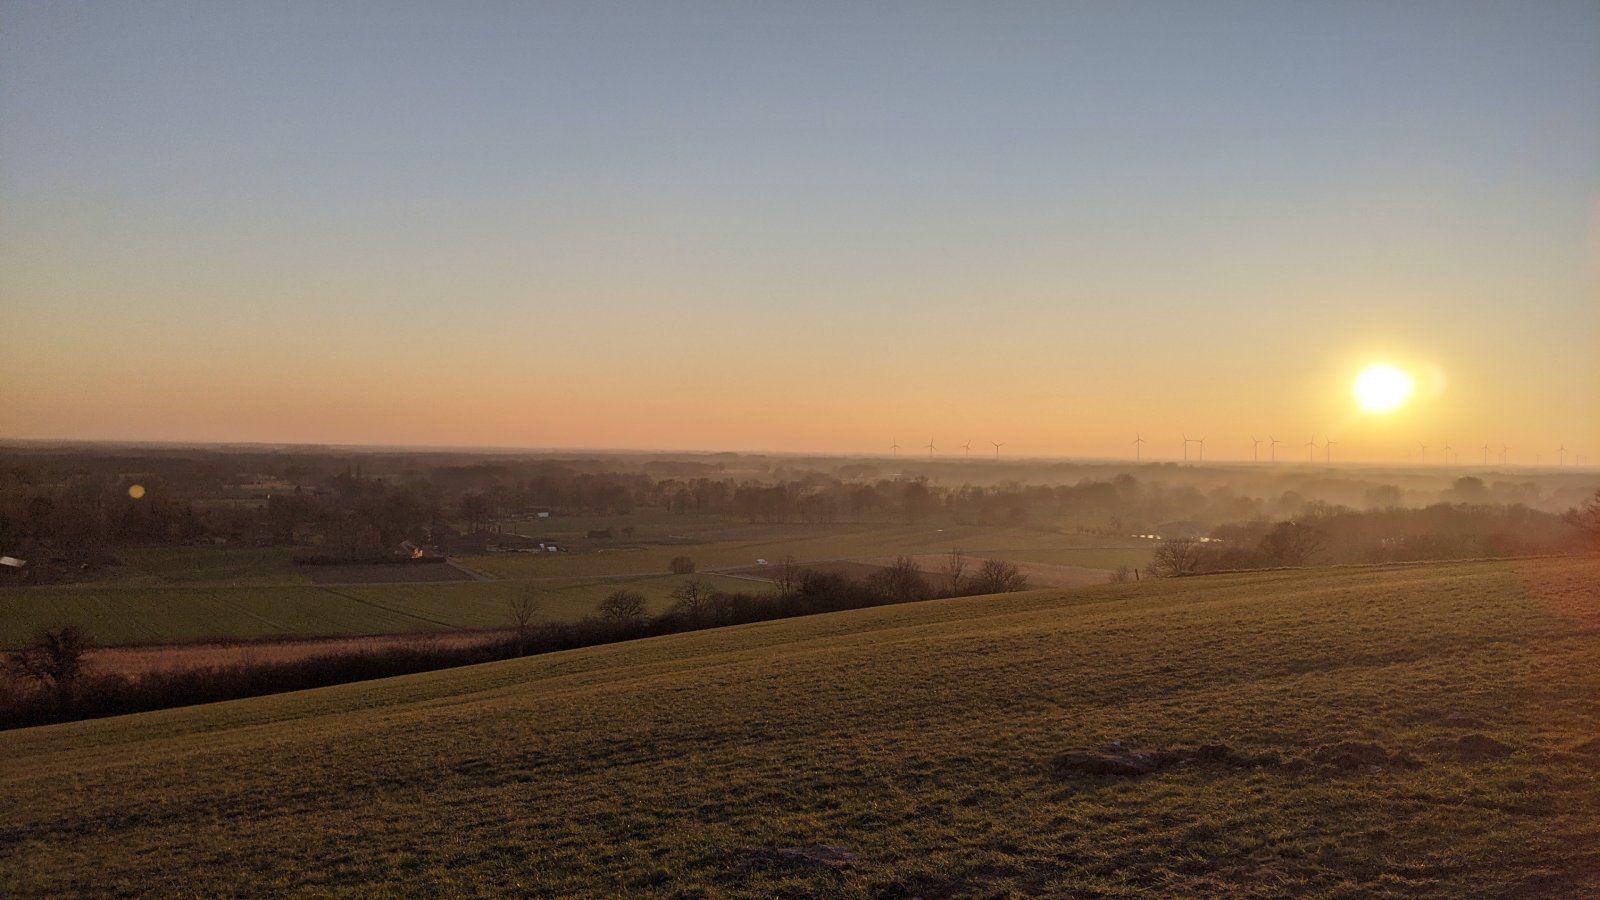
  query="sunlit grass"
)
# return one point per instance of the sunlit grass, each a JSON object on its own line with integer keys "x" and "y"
{"x": 918, "y": 736}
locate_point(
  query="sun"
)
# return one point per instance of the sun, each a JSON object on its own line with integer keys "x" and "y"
{"x": 1382, "y": 389}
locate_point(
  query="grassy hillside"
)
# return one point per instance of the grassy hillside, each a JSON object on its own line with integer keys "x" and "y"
{"x": 919, "y": 738}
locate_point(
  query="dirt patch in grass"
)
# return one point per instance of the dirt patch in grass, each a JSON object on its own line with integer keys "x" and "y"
{"x": 1118, "y": 762}
{"x": 816, "y": 856}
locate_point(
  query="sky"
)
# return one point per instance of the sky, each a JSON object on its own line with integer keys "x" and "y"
{"x": 811, "y": 227}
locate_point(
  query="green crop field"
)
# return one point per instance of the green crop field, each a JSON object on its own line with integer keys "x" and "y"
{"x": 917, "y": 739}
{"x": 218, "y": 593}
{"x": 118, "y": 615}
{"x": 243, "y": 566}
{"x": 825, "y": 542}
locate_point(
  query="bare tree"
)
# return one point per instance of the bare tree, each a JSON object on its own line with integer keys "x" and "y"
{"x": 622, "y": 607}
{"x": 1176, "y": 556}
{"x": 996, "y": 576}
{"x": 681, "y": 565}
{"x": 475, "y": 510}
{"x": 1586, "y": 518}
{"x": 1290, "y": 544}
{"x": 689, "y": 599}
{"x": 902, "y": 581}
{"x": 53, "y": 659}
{"x": 915, "y": 500}
{"x": 523, "y": 608}
{"x": 789, "y": 576}
{"x": 955, "y": 568}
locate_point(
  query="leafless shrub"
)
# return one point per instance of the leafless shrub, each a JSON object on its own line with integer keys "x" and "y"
{"x": 996, "y": 576}
{"x": 900, "y": 582}
{"x": 1176, "y": 556}
{"x": 1290, "y": 544}
{"x": 622, "y": 608}
{"x": 52, "y": 659}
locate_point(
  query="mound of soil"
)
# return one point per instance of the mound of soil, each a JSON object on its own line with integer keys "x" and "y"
{"x": 1356, "y": 756}
{"x": 1474, "y": 748}
{"x": 1122, "y": 763}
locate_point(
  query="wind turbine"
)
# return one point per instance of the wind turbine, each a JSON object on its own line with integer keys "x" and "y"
{"x": 968, "y": 448}
{"x": 1485, "y": 449}
{"x": 1424, "y": 452}
{"x": 1327, "y": 450}
{"x": 1138, "y": 445}
{"x": 1202, "y": 443}
{"x": 1447, "y": 453}
{"x": 1311, "y": 450}
{"x": 1272, "y": 448}
{"x": 1563, "y": 452}
{"x": 1503, "y": 451}
{"x": 997, "y": 447}
{"x": 1255, "y": 449}
{"x": 931, "y": 448}
{"x": 894, "y": 449}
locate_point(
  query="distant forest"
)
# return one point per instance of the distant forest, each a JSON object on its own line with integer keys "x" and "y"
{"x": 66, "y": 510}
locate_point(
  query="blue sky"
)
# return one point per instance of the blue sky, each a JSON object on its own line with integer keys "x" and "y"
{"x": 1066, "y": 221}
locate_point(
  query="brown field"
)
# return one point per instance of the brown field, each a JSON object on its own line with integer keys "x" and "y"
{"x": 171, "y": 657}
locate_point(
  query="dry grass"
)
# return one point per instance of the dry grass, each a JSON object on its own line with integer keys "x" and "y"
{"x": 171, "y": 657}
{"x": 917, "y": 737}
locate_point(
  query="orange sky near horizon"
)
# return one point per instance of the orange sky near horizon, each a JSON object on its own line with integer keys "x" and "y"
{"x": 570, "y": 227}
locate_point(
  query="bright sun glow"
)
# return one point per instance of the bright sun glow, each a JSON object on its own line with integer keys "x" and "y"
{"x": 1382, "y": 389}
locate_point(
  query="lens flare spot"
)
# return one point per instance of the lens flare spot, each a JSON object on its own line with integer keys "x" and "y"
{"x": 136, "y": 491}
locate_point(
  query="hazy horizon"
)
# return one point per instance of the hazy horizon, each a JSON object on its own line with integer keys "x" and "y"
{"x": 803, "y": 229}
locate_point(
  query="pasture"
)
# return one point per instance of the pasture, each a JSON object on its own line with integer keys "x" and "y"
{"x": 923, "y": 744}
{"x": 115, "y": 615}
{"x": 741, "y": 544}
{"x": 195, "y": 594}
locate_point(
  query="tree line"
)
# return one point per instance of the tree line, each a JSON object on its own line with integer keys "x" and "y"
{"x": 67, "y": 512}
{"x": 1342, "y": 536}
{"x": 48, "y": 680}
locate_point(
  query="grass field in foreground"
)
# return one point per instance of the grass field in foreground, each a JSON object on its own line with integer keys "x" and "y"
{"x": 919, "y": 737}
